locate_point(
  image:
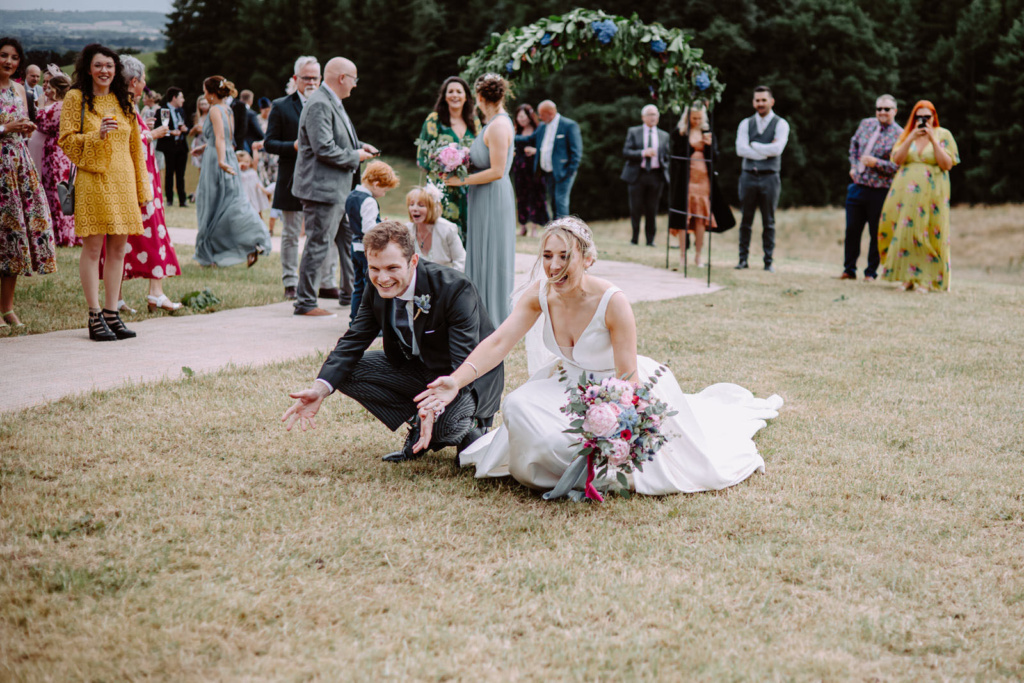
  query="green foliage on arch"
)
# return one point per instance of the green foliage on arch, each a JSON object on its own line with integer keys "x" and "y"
{"x": 651, "y": 54}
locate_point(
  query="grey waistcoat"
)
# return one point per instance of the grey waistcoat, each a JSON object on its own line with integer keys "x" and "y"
{"x": 771, "y": 164}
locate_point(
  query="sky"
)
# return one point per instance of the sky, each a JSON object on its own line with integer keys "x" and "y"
{"x": 162, "y": 6}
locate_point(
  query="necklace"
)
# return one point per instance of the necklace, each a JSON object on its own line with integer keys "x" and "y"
{"x": 424, "y": 241}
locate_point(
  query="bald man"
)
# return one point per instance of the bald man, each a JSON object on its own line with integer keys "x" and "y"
{"x": 326, "y": 169}
{"x": 557, "y": 148}
{"x": 645, "y": 171}
{"x": 33, "y": 90}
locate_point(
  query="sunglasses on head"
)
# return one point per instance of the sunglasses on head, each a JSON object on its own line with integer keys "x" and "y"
{"x": 883, "y": 108}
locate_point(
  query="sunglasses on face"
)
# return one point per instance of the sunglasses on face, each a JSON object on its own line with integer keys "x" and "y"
{"x": 883, "y": 109}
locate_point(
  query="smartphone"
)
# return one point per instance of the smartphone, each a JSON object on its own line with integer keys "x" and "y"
{"x": 922, "y": 121}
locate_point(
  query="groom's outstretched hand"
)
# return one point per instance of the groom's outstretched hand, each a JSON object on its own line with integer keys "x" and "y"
{"x": 307, "y": 403}
{"x": 426, "y": 430}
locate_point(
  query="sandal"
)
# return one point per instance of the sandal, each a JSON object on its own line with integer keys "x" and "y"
{"x": 11, "y": 319}
{"x": 122, "y": 306}
{"x": 155, "y": 302}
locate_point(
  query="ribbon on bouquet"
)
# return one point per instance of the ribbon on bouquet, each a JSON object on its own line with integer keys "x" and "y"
{"x": 579, "y": 471}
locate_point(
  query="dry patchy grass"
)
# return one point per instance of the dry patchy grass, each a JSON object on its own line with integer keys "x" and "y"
{"x": 176, "y": 531}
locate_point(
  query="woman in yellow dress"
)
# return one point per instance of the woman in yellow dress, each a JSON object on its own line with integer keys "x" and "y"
{"x": 913, "y": 233}
{"x": 113, "y": 182}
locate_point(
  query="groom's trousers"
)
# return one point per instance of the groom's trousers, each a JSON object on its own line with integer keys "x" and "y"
{"x": 386, "y": 390}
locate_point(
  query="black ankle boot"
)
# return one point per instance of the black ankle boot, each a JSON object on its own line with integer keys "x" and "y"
{"x": 98, "y": 328}
{"x": 113, "y": 321}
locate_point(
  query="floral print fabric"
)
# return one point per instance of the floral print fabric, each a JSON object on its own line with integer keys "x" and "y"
{"x": 26, "y": 233}
{"x": 56, "y": 169}
{"x": 913, "y": 232}
{"x": 454, "y": 197}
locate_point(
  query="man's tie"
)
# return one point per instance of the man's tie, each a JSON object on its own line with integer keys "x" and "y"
{"x": 400, "y": 313}
{"x": 647, "y": 160}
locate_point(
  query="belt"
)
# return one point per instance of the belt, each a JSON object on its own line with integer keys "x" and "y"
{"x": 754, "y": 171}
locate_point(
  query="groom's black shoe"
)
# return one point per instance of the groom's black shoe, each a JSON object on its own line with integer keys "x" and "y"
{"x": 406, "y": 452}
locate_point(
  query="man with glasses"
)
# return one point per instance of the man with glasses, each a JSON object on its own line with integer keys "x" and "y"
{"x": 329, "y": 154}
{"x": 282, "y": 139}
{"x": 871, "y": 171}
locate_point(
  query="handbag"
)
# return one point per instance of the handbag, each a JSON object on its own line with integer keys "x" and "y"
{"x": 66, "y": 189}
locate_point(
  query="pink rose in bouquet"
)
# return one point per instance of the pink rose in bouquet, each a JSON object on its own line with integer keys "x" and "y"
{"x": 602, "y": 419}
{"x": 452, "y": 157}
{"x": 619, "y": 454}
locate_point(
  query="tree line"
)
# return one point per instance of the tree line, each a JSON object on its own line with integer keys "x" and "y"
{"x": 825, "y": 60}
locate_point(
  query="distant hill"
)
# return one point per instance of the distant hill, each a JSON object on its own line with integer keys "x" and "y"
{"x": 62, "y": 31}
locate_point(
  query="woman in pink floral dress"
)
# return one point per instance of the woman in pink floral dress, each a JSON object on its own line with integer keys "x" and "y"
{"x": 26, "y": 234}
{"x": 151, "y": 254}
{"x": 56, "y": 165}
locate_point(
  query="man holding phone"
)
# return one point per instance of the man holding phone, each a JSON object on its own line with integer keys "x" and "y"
{"x": 872, "y": 171}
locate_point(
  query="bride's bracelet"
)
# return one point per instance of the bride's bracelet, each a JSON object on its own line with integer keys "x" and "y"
{"x": 476, "y": 371}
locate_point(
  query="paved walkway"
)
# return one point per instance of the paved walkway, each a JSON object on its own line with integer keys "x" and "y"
{"x": 45, "y": 367}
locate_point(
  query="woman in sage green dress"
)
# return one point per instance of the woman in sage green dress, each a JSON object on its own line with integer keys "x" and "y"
{"x": 491, "y": 221}
{"x": 453, "y": 120}
{"x": 230, "y": 230}
{"x": 913, "y": 232}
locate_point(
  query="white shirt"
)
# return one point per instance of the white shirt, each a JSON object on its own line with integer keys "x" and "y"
{"x": 651, "y": 135}
{"x": 759, "y": 151}
{"x": 547, "y": 145}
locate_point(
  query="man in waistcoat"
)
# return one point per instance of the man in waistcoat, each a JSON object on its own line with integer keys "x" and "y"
{"x": 872, "y": 171}
{"x": 760, "y": 141}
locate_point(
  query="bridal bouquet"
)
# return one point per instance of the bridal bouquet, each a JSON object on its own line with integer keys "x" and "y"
{"x": 445, "y": 159}
{"x": 618, "y": 427}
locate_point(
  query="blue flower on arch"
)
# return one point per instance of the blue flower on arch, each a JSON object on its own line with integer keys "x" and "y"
{"x": 605, "y": 30}
{"x": 703, "y": 81}
{"x": 510, "y": 66}
{"x": 658, "y": 46}
{"x": 546, "y": 40}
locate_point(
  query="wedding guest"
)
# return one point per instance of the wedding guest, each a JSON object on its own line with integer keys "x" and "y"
{"x": 491, "y": 227}
{"x": 437, "y": 238}
{"x": 872, "y": 171}
{"x": 198, "y": 138}
{"x": 697, "y": 205}
{"x": 56, "y": 165}
{"x": 149, "y": 255}
{"x": 557, "y": 149}
{"x": 329, "y": 155}
{"x": 230, "y": 230}
{"x": 266, "y": 164}
{"x": 363, "y": 212}
{"x": 112, "y": 181}
{"x": 253, "y": 130}
{"x": 453, "y": 120}
{"x": 33, "y": 91}
{"x": 531, "y": 207}
{"x": 257, "y": 194}
{"x": 150, "y": 104}
{"x": 646, "y": 172}
{"x": 26, "y": 233}
{"x": 913, "y": 234}
{"x": 174, "y": 145}
{"x": 760, "y": 141}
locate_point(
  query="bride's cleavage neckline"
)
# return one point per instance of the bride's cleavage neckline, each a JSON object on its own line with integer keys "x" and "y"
{"x": 571, "y": 348}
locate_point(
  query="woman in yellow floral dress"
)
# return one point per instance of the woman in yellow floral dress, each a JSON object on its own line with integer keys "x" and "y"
{"x": 113, "y": 182}
{"x": 913, "y": 233}
{"x": 453, "y": 120}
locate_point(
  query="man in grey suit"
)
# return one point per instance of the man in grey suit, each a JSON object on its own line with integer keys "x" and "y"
{"x": 326, "y": 170}
{"x": 646, "y": 171}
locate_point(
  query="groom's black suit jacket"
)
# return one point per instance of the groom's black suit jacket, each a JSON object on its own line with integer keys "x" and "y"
{"x": 455, "y": 324}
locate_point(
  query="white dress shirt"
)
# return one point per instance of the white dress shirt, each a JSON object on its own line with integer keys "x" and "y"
{"x": 758, "y": 151}
{"x": 547, "y": 145}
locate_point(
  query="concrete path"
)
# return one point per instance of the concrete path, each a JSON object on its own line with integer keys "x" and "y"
{"x": 45, "y": 367}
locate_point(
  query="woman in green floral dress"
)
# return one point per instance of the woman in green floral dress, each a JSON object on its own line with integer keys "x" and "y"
{"x": 453, "y": 120}
{"x": 913, "y": 233}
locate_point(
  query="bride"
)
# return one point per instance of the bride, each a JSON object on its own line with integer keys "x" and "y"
{"x": 588, "y": 326}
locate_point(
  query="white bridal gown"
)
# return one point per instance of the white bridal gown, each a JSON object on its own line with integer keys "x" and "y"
{"x": 710, "y": 442}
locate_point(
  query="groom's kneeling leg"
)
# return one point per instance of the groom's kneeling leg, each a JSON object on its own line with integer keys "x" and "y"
{"x": 384, "y": 389}
{"x": 454, "y": 422}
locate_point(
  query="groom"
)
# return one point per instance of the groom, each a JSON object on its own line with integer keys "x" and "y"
{"x": 431, "y": 317}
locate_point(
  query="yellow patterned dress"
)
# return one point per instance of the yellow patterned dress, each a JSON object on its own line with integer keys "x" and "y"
{"x": 112, "y": 178}
{"x": 913, "y": 232}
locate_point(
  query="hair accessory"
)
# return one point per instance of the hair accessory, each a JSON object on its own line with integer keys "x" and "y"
{"x": 54, "y": 70}
{"x": 222, "y": 83}
{"x": 575, "y": 226}
{"x": 433, "y": 191}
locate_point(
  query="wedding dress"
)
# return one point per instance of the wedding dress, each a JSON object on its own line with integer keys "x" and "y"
{"x": 710, "y": 443}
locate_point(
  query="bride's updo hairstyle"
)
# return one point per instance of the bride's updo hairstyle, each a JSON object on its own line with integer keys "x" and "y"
{"x": 492, "y": 88}
{"x": 219, "y": 86}
{"x": 573, "y": 232}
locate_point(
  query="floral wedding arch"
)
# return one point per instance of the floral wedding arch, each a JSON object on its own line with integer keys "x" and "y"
{"x": 658, "y": 57}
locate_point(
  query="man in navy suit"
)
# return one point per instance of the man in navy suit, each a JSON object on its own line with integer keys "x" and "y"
{"x": 174, "y": 145}
{"x": 253, "y": 132}
{"x": 557, "y": 147}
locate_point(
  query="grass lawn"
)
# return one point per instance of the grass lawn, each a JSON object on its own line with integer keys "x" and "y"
{"x": 176, "y": 531}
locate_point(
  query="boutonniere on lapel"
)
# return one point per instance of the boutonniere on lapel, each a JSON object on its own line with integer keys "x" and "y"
{"x": 422, "y": 304}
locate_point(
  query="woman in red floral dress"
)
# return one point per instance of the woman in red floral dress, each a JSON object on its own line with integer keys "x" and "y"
{"x": 56, "y": 165}
{"x": 151, "y": 254}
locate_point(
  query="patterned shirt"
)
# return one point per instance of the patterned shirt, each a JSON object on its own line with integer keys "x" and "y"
{"x": 882, "y": 174}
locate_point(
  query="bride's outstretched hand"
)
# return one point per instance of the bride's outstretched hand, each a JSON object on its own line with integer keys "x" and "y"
{"x": 439, "y": 393}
